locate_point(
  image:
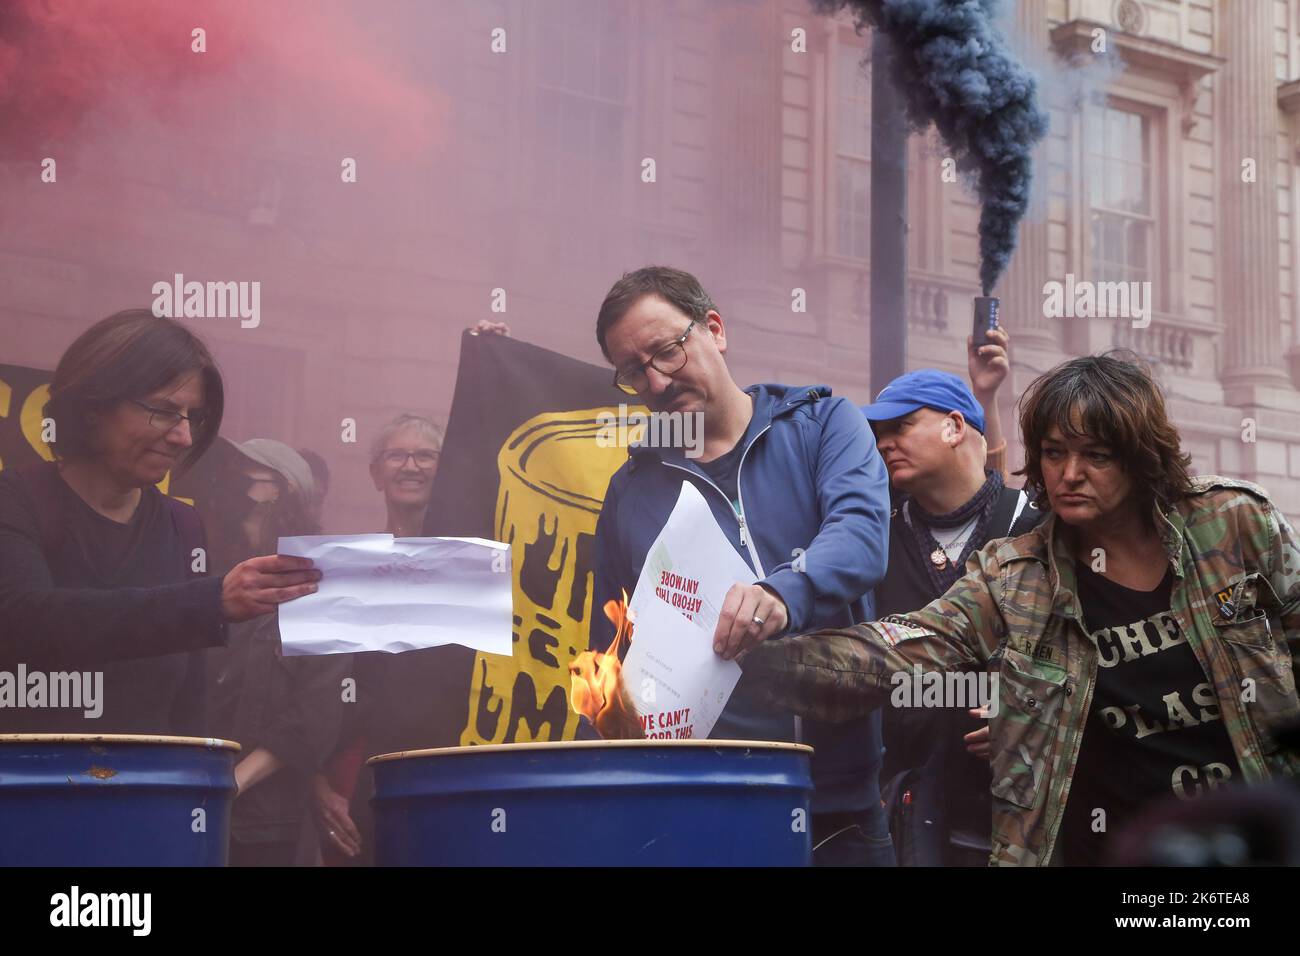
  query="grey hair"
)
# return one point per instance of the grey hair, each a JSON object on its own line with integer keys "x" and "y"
{"x": 426, "y": 426}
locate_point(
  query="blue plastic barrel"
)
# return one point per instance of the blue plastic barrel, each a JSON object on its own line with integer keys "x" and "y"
{"x": 595, "y": 803}
{"x": 115, "y": 800}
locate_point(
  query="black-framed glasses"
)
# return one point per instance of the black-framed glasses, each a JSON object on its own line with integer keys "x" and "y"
{"x": 669, "y": 359}
{"x": 424, "y": 459}
{"x": 166, "y": 419}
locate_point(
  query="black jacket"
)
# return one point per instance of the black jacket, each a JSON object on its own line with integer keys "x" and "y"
{"x": 292, "y": 706}
{"x": 81, "y": 592}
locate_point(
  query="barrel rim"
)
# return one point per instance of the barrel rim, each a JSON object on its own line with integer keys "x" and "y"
{"x": 588, "y": 744}
{"x": 212, "y": 743}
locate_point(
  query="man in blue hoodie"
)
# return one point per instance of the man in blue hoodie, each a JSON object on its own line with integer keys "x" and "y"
{"x": 796, "y": 484}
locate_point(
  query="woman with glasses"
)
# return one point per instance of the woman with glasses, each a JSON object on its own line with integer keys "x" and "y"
{"x": 100, "y": 571}
{"x": 403, "y": 462}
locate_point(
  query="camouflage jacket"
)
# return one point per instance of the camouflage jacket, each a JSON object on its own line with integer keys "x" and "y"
{"x": 1236, "y": 596}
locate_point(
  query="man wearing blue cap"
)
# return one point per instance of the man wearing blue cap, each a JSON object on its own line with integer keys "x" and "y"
{"x": 932, "y": 433}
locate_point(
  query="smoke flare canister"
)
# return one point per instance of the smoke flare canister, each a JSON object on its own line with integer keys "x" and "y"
{"x": 115, "y": 800}
{"x": 986, "y": 318}
{"x": 595, "y": 803}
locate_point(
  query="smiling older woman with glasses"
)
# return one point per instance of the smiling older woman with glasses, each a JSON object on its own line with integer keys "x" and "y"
{"x": 403, "y": 463}
{"x": 99, "y": 570}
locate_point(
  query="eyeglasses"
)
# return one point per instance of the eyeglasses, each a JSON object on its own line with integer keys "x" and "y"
{"x": 397, "y": 459}
{"x": 166, "y": 419}
{"x": 669, "y": 359}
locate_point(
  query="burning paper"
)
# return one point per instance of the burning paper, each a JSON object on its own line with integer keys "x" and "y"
{"x": 678, "y": 685}
{"x": 597, "y": 689}
{"x": 669, "y": 681}
{"x": 691, "y": 565}
{"x": 380, "y": 593}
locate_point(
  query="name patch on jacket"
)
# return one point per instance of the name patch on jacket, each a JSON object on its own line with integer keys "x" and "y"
{"x": 1043, "y": 652}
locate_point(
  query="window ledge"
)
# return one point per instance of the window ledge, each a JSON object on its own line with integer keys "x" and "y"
{"x": 1075, "y": 37}
{"x": 834, "y": 260}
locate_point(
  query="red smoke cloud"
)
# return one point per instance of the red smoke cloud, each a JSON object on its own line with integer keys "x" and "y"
{"x": 63, "y": 60}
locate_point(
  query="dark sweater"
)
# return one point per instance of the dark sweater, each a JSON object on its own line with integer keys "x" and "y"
{"x": 79, "y": 591}
{"x": 290, "y": 705}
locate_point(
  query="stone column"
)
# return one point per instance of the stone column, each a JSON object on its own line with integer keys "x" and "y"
{"x": 1035, "y": 339}
{"x": 1247, "y": 246}
{"x": 745, "y": 186}
{"x": 1021, "y": 286}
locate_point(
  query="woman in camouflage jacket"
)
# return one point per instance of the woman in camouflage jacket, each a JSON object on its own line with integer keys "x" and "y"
{"x": 1208, "y": 565}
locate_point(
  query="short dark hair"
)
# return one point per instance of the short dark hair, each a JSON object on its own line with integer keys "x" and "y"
{"x": 1117, "y": 402}
{"x": 680, "y": 289}
{"x": 129, "y": 355}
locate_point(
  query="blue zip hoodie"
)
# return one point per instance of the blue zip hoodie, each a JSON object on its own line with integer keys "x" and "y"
{"x": 810, "y": 479}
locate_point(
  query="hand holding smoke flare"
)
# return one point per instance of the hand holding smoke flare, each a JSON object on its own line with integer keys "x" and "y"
{"x": 597, "y": 689}
{"x": 954, "y": 69}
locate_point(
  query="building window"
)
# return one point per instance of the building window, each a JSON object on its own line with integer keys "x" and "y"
{"x": 582, "y": 99}
{"x": 852, "y": 198}
{"x": 1120, "y": 203}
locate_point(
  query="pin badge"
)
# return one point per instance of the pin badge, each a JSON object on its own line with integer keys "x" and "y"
{"x": 1226, "y": 607}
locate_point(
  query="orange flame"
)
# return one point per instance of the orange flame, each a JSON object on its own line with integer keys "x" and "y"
{"x": 598, "y": 692}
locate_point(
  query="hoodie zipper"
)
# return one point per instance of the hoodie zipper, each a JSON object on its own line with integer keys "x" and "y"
{"x": 746, "y": 540}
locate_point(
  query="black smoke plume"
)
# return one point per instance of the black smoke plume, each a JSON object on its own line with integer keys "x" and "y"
{"x": 954, "y": 69}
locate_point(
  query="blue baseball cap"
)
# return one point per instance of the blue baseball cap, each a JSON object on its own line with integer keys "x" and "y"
{"x": 925, "y": 388}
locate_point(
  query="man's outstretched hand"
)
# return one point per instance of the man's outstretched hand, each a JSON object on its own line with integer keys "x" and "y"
{"x": 750, "y": 615}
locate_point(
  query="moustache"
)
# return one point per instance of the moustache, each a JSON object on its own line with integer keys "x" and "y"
{"x": 667, "y": 398}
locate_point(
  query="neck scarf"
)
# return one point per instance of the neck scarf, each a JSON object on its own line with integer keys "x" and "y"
{"x": 919, "y": 521}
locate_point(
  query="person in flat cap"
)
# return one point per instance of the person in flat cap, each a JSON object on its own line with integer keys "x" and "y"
{"x": 284, "y": 711}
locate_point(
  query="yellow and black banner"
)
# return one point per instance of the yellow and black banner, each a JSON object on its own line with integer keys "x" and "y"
{"x": 23, "y": 394}
{"x": 522, "y": 464}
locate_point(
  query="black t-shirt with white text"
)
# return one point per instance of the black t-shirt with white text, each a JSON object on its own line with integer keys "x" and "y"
{"x": 1154, "y": 727}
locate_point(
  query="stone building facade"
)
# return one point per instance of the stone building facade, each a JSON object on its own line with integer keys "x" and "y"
{"x": 1172, "y": 160}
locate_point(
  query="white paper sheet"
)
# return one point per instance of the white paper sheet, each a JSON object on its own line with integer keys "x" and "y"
{"x": 380, "y": 593}
{"x": 691, "y": 564}
{"x": 677, "y": 683}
